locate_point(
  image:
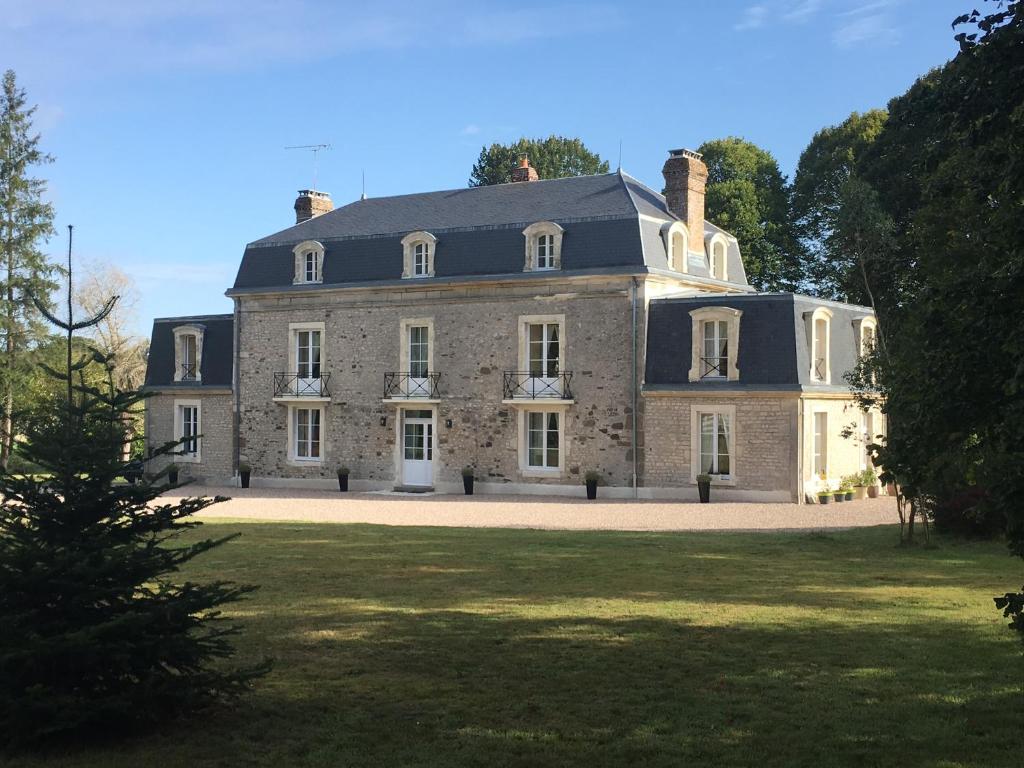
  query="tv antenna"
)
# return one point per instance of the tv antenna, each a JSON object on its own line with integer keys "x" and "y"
{"x": 316, "y": 149}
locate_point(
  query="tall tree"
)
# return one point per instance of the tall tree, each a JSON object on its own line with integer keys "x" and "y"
{"x": 113, "y": 334}
{"x": 825, "y": 166}
{"x": 748, "y": 196}
{"x": 553, "y": 158}
{"x": 25, "y": 221}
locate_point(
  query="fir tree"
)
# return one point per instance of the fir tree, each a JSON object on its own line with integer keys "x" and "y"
{"x": 98, "y": 631}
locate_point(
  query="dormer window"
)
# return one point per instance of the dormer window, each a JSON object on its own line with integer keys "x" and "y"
{"x": 868, "y": 332}
{"x": 418, "y": 255}
{"x": 821, "y": 327}
{"x": 718, "y": 262}
{"x": 714, "y": 346}
{"x": 543, "y": 246}
{"x": 677, "y": 246}
{"x": 188, "y": 353}
{"x": 309, "y": 262}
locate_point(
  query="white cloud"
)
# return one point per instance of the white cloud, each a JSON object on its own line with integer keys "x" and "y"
{"x": 753, "y": 17}
{"x": 470, "y": 130}
{"x": 801, "y": 11}
{"x": 869, "y": 22}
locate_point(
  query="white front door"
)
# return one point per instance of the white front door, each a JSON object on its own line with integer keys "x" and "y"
{"x": 544, "y": 353}
{"x": 417, "y": 448}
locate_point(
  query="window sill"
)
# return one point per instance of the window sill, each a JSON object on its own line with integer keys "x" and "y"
{"x": 539, "y": 472}
{"x": 298, "y": 462}
{"x": 540, "y": 403}
{"x": 716, "y": 480}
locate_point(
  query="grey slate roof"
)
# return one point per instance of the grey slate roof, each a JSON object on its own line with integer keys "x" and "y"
{"x": 479, "y": 231}
{"x": 774, "y": 348}
{"x": 218, "y": 342}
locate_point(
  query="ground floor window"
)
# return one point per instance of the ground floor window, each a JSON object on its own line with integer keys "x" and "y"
{"x": 715, "y": 444}
{"x": 187, "y": 429}
{"x": 543, "y": 440}
{"x": 306, "y": 433}
{"x": 820, "y": 444}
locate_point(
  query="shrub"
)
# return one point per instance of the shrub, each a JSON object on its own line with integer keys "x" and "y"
{"x": 964, "y": 514}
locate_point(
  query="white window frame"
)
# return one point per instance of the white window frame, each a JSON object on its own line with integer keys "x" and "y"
{"x": 678, "y": 259}
{"x": 822, "y": 448}
{"x": 293, "y": 435}
{"x": 533, "y": 234}
{"x": 525, "y": 321}
{"x": 524, "y": 441}
{"x": 867, "y": 427}
{"x": 867, "y": 324}
{"x": 729, "y": 412}
{"x": 409, "y": 244}
{"x": 713, "y": 243}
{"x": 180, "y": 332}
{"x": 714, "y": 314}
{"x": 302, "y": 251}
{"x": 179, "y": 430}
{"x": 821, "y": 314}
{"x": 404, "y": 364}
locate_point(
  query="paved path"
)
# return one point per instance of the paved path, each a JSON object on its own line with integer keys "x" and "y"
{"x": 492, "y": 511}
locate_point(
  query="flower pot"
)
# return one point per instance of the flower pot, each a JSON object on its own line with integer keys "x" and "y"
{"x": 467, "y": 484}
{"x": 848, "y": 496}
{"x": 859, "y": 492}
{"x": 824, "y": 499}
{"x": 839, "y": 496}
{"x": 342, "y": 483}
{"x": 890, "y": 489}
{"x": 591, "y": 489}
{"x": 872, "y": 491}
{"x": 704, "y": 489}
{"x": 245, "y": 478}
{"x": 172, "y": 476}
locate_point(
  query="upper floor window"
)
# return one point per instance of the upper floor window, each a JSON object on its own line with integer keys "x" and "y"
{"x": 418, "y": 255}
{"x": 677, "y": 246}
{"x": 309, "y": 262}
{"x": 188, "y": 350}
{"x": 718, "y": 257}
{"x": 868, "y": 333}
{"x": 714, "y": 344}
{"x": 543, "y": 246}
{"x": 821, "y": 327}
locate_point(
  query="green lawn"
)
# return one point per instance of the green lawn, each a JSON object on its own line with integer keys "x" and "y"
{"x": 453, "y": 647}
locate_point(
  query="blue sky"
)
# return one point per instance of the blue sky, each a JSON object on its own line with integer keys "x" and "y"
{"x": 169, "y": 120}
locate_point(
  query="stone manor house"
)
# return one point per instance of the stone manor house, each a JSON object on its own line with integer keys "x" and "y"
{"x": 532, "y": 331}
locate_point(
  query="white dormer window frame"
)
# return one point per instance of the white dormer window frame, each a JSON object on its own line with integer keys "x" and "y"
{"x": 309, "y": 262}
{"x": 418, "y": 255}
{"x": 821, "y": 346}
{"x": 185, "y": 368}
{"x": 677, "y": 246}
{"x": 543, "y": 246}
{"x": 717, "y": 246}
{"x": 706, "y": 317}
{"x": 867, "y": 335}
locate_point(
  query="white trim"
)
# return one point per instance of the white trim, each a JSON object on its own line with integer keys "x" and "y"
{"x": 723, "y": 410}
{"x": 816, "y": 476}
{"x": 821, "y": 313}
{"x": 522, "y": 421}
{"x": 668, "y": 232}
{"x": 179, "y": 429}
{"x": 525, "y": 321}
{"x": 864, "y": 324}
{"x": 300, "y": 251}
{"x": 409, "y": 243}
{"x": 293, "y": 458}
{"x": 180, "y": 332}
{"x": 398, "y": 455}
{"x": 403, "y": 341}
{"x": 714, "y": 314}
{"x": 293, "y": 331}
{"x": 532, "y": 234}
{"x": 711, "y": 241}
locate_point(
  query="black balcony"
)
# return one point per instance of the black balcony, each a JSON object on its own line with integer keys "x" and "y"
{"x": 523, "y": 385}
{"x": 403, "y": 385}
{"x": 300, "y": 385}
{"x": 711, "y": 367}
{"x": 188, "y": 371}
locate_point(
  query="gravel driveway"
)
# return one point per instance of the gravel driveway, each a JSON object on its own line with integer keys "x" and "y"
{"x": 492, "y": 511}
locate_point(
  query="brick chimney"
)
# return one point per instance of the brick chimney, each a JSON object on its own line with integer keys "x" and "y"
{"x": 311, "y": 203}
{"x": 525, "y": 171}
{"x": 685, "y": 179}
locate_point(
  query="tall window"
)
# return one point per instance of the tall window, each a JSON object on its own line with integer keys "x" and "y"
{"x": 307, "y": 433}
{"x": 420, "y": 260}
{"x": 544, "y": 350}
{"x": 309, "y": 262}
{"x": 820, "y": 444}
{"x": 715, "y": 444}
{"x": 311, "y": 269}
{"x": 819, "y": 363}
{"x": 718, "y": 268}
{"x": 545, "y": 252}
{"x": 868, "y": 419}
{"x": 307, "y": 354}
{"x": 714, "y": 361}
{"x": 418, "y": 250}
{"x": 679, "y": 254}
{"x": 190, "y": 429}
{"x": 542, "y": 445}
{"x": 419, "y": 351}
{"x": 189, "y": 366}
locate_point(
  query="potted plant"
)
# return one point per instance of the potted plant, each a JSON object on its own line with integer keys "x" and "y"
{"x": 467, "y": 480}
{"x": 704, "y": 488}
{"x": 847, "y": 490}
{"x": 839, "y": 494}
{"x": 172, "y": 475}
{"x": 855, "y": 483}
{"x": 342, "y": 479}
{"x": 871, "y": 482}
{"x": 824, "y": 497}
{"x": 591, "y": 479}
{"x": 244, "y": 472}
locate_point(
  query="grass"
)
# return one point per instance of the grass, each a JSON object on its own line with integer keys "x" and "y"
{"x": 455, "y": 647}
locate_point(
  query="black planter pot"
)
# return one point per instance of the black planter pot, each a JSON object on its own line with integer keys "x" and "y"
{"x": 704, "y": 489}
{"x": 172, "y": 476}
{"x": 342, "y": 483}
{"x": 824, "y": 499}
{"x": 467, "y": 484}
{"x": 591, "y": 489}
{"x": 245, "y": 479}
{"x": 848, "y": 496}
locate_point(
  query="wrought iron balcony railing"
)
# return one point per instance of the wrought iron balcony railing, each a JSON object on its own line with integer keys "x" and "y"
{"x": 295, "y": 385}
{"x": 523, "y": 385}
{"x": 712, "y": 367}
{"x": 188, "y": 371}
{"x": 402, "y": 384}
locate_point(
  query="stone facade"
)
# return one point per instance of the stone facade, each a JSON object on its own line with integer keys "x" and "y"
{"x": 216, "y": 454}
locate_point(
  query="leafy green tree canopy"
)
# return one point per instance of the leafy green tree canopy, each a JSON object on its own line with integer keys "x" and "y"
{"x": 747, "y": 195}
{"x": 553, "y": 158}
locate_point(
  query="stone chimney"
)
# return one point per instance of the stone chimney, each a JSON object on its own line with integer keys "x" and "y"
{"x": 686, "y": 177}
{"x": 311, "y": 203}
{"x": 525, "y": 171}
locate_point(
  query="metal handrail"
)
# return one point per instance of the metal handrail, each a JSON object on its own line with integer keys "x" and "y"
{"x": 402, "y": 384}
{"x": 188, "y": 371}
{"x": 714, "y": 367}
{"x": 291, "y": 384}
{"x": 524, "y": 385}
